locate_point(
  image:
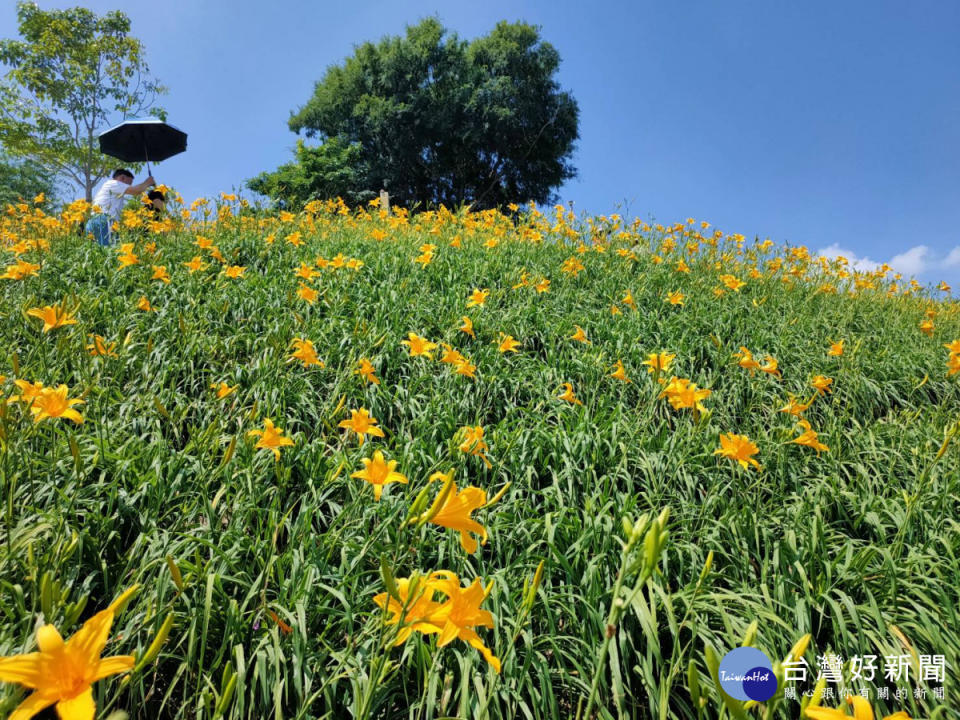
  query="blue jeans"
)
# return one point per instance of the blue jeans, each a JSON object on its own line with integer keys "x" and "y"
{"x": 99, "y": 227}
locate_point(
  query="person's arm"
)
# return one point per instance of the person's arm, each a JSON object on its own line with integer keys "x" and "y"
{"x": 140, "y": 187}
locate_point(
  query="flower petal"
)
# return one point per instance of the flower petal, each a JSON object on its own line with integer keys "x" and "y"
{"x": 861, "y": 707}
{"x": 88, "y": 642}
{"x": 113, "y": 666}
{"x": 79, "y": 707}
{"x": 467, "y": 542}
{"x": 448, "y": 634}
{"x": 23, "y": 669}
{"x": 33, "y": 704}
{"x": 474, "y": 641}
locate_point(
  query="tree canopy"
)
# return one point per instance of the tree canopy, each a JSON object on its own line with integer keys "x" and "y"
{"x": 71, "y": 73}
{"x": 437, "y": 119}
{"x": 333, "y": 169}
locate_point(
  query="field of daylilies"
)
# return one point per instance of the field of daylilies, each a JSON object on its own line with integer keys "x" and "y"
{"x": 351, "y": 463}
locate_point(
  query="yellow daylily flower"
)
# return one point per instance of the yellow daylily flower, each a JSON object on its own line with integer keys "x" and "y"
{"x": 419, "y": 346}
{"x": 61, "y": 672}
{"x": 271, "y": 438}
{"x": 579, "y": 335}
{"x": 362, "y": 423}
{"x": 366, "y": 371}
{"x": 507, "y": 344}
{"x": 738, "y": 448}
{"x": 53, "y": 403}
{"x": 568, "y": 396}
{"x": 379, "y": 472}
{"x": 456, "y": 509}
{"x": 53, "y": 316}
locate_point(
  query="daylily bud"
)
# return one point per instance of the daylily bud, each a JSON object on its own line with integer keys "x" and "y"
{"x": 498, "y": 496}
{"x": 798, "y": 650}
{"x": 150, "y": 655}
{"x": 175, "y": 573}
{"x": 706, "y": 566}
{"x": 438, "y": 501}
{"x": 388, "y": 580}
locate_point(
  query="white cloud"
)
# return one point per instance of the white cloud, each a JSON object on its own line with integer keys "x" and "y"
{"x": 914, "y": 261}
{"x": 863, "y": 264}
{"x": 917, "y": 261}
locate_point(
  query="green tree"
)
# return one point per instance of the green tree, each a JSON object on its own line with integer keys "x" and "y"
{"x": 333, "y": 169}
{"x": 23, "y": 180}
{"x": 71, "y": 72}
{"x": 441, "y": 120}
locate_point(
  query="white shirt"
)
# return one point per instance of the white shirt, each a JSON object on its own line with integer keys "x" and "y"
{"x": 111, "y": 197}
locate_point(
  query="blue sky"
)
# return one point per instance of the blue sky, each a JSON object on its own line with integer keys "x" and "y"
{"x": 834, "y": 125}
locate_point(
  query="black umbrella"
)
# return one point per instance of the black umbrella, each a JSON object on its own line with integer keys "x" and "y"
{"x": 149, "y": 139}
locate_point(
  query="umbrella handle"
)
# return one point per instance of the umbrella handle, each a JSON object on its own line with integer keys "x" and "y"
{"x": 146, "y": 156}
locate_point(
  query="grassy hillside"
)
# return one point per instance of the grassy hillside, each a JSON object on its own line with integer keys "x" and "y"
{"x": 657, "y": 554}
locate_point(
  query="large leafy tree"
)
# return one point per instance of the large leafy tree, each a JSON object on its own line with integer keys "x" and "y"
{"x": 441, "y": 120}
{"x": 70, "y": 75}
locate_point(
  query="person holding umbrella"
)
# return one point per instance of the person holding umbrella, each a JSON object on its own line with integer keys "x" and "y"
{"x": 110, "y": 198}
{"x": 147, "y": 139}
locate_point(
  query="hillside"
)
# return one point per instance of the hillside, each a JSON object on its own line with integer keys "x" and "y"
{"x": 598, "y": 458}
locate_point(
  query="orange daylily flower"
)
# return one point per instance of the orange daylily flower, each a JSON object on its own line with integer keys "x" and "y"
{"x": 234, "y": 271}
{"x": 746, "y": 360}
{"x": 822, "y": 383}
{"x": 53, "y": 403}
{"x": 619, "y": 372}
{"x": 836, "y": 349}
{"x": 160, "y": 273}
{"x": 738, "y": 448}
{"x": 366, "y": 371}
{"x": 271, "y": 438}
{"x": 579, "y": 335}
{"x": 809, "y": 438}
{"x": 99, "y": 347}
{"x": 568, "y": 395}
{"x": 771, "y": 366}
{"x": 456, "y": 509}
{"x": 306, "y": 353}
{"x": 507, "y": 344}
{"x": 419, "y": 346}
{"x": 53, "y": 316}
{"x": 223, "y": 390}
{"x": 451, "y": 356}
{"x": 460, "y": 613}
{"x": 474, "y": 444}
{"x": 477, "y": 297}
{"x": 63, "y": 672}
{"x": 732, "y": 282}
{"x": 379, "y": 472}
{"x": 795, "y": 407}
{"x": 682, "y": 393}
{"x": 362, "y": 423}
{"x": 658, "y": 362}
{"x": 305, "y": 292}
{"x": 195, "y": 264}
